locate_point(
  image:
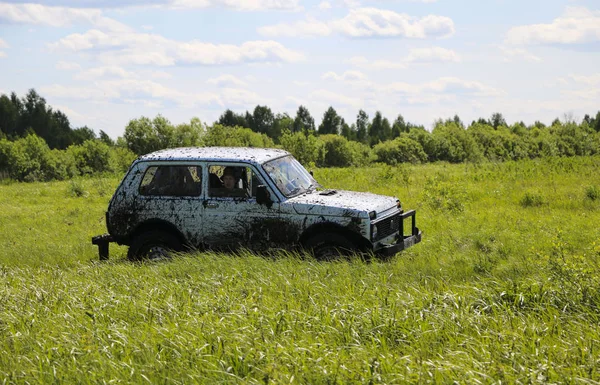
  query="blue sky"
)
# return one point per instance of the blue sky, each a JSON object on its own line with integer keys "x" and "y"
{"x": 104, "y": 62}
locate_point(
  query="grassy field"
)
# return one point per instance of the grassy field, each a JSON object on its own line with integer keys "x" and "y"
{"x": 504, "y": 288}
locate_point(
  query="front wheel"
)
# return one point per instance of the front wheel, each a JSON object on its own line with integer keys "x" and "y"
{"x": 330, "y": 247}
{"x": 153, "y": 245}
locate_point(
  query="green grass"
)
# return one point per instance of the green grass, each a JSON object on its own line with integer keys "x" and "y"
{"x": 498, "y": 292}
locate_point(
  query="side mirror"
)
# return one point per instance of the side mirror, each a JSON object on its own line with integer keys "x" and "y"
{"x": 263, "y": 196}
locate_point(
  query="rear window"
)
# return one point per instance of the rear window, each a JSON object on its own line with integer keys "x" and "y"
{"x": 172, "y": 181}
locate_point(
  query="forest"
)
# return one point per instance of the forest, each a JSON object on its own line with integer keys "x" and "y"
{"x": 38, "y": 143}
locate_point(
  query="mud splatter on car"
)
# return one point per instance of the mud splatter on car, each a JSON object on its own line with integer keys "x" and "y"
{"x": 223, "y": 197}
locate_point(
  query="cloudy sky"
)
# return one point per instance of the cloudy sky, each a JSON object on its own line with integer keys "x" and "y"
{"x": 105, "y": 62}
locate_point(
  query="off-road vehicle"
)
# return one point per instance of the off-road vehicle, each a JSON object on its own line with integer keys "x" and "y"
{"x": 223, "y": 198}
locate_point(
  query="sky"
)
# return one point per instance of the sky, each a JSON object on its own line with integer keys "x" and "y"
{"x": 105, "y": 62}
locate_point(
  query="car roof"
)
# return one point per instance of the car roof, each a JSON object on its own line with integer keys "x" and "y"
{"x": 232, "y": 154}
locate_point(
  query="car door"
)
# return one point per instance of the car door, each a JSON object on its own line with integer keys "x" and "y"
{"x": 232, "y": 216}
{"x": 172, "y": 193}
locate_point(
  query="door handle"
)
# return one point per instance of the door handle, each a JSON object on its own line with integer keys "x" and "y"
{"x": 212, "y": 205}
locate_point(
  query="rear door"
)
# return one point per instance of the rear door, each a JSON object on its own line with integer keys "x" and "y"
{"x": 173, "y": 193}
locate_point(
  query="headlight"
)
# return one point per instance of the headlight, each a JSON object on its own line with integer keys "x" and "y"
{"x": 374, "y": 232}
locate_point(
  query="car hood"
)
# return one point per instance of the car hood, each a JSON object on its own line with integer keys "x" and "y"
{"x": 336, "y": 202}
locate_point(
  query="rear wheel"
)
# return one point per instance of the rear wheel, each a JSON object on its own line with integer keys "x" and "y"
{"x": 330, "y": 247}
{"x": 153, "y": 245}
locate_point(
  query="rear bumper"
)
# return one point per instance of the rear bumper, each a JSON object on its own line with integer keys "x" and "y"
{"x": 102, "y": 241}
{"x": 403, "y": 241}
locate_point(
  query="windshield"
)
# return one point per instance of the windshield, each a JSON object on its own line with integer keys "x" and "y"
{"x": 290, "y": 176}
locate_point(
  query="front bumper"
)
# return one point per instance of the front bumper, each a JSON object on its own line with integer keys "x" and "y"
{"x": 402, "y": 241}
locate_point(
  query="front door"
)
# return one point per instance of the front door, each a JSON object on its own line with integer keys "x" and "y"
{"x": 232, "y": 217}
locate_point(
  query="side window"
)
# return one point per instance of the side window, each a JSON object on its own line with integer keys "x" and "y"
{"x": 172, "y": 181}
{"x": 232, "y": 181}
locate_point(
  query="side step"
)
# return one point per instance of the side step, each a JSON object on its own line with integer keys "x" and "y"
{"x": 102, "y": 241}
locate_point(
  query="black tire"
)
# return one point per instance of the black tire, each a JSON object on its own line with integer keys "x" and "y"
{"x": 330, "y": 247}
{"x": 153, "y": 245}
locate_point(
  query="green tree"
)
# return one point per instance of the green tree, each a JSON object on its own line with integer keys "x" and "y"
{"x": 188, "y": 135}
{"x": 399, "y": 126}
{"x": 231, "y": 119}
{"x": 377, "y": 129}
{"x": 349, "y": 132}
{"x": 331, "y": 123}
{"x": 307, "y": 148}
{"x": 81, "y": 134}
{"x": 303, "y": 122}
{"x": 140, "y": 136}
{"x": 497, "y": 120}
{"x": 106, "y": 139}
{"x": 283, "y": 123}
{"x": 262, "y": 120}
{"x": 362, "y": 126}
{"x": 9, "y": 116}
{"x": 596, "y": 122}
{"x": 218, "y": 135}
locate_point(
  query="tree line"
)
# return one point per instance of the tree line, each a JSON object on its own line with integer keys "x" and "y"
{"x": 38, "y": 143}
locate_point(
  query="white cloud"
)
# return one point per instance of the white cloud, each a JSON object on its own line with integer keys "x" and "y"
{"x": 373, "y": 22}
{"x": 240, "y": 97}
{"x": 518, "y": 53}
{"x": 591, "y": 80}
{"x": 2, "y": 54}
{"x": 577, "y": 25}
{"x": 324, "y": 5}
{"x": 363, "y": 62}
{"x": 38, "y": 14}
{"x": 227, "y": 80}
{"x": 331, "y": 98}
{"x": 456, "y": 85}
{"x": 105, "y": 72}
{"x": 414, "y": 57}
{"x": 129, "y": 90}
{"x": 431, "y": 55}
{"x": 67, "y": 66}
{"x": 143, "y": 48}
{"x": 79, "y": 93}
{"x": 304, "y": 28}
{"x": 348, "y": 76}
{"x": 239, "y": 5}
{"x": 367, "y": 22}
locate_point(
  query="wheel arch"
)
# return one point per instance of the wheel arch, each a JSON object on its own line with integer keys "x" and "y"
{"x": 154, "y": 225}
{"x": 357, "y": 239}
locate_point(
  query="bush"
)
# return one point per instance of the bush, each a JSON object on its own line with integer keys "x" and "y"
{"x": 219, "y": 135}
{"x": 337, "y": 151}
{"x": 400, "y": 150}
{"x": 92, "y": 156}
{"x": 121, "y": 158}
{"x": 592, "y": 193}
{"x": 453, "y": 144}
{"x": 305, "y": 148}
{"x": 532, "y": 199}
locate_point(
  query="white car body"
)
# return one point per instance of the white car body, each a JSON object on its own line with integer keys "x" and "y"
{"x": 202, "y": 219}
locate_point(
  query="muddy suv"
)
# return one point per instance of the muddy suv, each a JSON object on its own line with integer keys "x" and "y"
{"x": 224, "y": 198}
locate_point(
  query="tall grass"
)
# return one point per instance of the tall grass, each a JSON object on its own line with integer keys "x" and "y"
{"x": 497, "y": 291}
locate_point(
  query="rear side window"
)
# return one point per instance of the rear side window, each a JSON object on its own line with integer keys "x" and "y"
{"x": 172, "y": 181}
